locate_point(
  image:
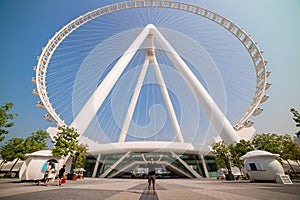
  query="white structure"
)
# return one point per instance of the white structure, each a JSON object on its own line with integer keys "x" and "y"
{"x": 7, "y": 166}
{"x": 153, "y": 36}
{"x": 219, "y": 121}
{"x": 263, "y": 166}
{"x": 32, "y": 167}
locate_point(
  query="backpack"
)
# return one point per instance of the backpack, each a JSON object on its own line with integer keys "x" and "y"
{"x": 44, "y": 167}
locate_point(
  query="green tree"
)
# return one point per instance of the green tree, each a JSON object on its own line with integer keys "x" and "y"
{"x": 66, "y": 143}
{"x": 5, "y": 119}
{"x": 296, "y": 118}
{"x": 36, "y": 141}
{"x": 283, "y": 145}
{"x": 267, "y": 142}
{"x": 222, "y": 153}
{"x": 81, "y": 151}
{"x": 13, "y": 149}
{"x": 17, "y": 148}
{"x": 288, "y": 149}
{"x": 239, "y": 149}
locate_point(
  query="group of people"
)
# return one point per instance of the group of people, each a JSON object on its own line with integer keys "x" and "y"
{"x": 51, "y": 174}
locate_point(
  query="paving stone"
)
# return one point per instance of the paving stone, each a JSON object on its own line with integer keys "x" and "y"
{"x": 127, "y": 189}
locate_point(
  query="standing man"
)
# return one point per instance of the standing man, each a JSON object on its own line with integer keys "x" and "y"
{"x": 61, "y": 174}
{"x": 151, "y": 173}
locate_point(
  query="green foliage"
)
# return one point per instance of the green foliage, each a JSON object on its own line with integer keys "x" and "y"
{"x": 283, "y": 145}
{"x": 5, "y": 119}
{"x": 13, "y": 148}
{"x": 81, "y": 151}
{"x": 295, "y": 155}
{"x": 36, "y": 141}
{"x": 232, "y": 152}
{"x": 222, "y": 153}
{"x": 18, "y": 147}
{"x": 296, "y": 118}
{"x": 65, "y": 142}
{"x": 267, "y": 142}
{"x": 288, "y": 148}
{"x": 239, "y": 149}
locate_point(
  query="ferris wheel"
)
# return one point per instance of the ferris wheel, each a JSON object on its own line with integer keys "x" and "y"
{"x": 132, "y": 71}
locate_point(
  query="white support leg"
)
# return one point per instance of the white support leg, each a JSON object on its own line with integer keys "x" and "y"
{"x": 96, "y": 166}
{"x": 133, "y": 101}
{"x": 168, "y": 101}
{"x": 213, "y": 112}
{"x": 112, "y": 167}
{"x": 89, "y": 110}
{"x": 204, "y": 165}
{"x": 186, "y": 165}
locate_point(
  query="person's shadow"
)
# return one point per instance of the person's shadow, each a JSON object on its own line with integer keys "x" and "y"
{"x": 145, "y": 196}
{"x": 151, "y": 196}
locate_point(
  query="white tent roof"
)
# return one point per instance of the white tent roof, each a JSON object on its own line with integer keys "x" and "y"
{"x": 258, "y": 153}
{"x": 8, "y": 165}
{"x": 41, "y": 153}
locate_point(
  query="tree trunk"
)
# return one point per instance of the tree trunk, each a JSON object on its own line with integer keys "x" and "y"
{"x": 290, "y": 166}
{"x": 2, "y": 164}
{"x": 241, "y": 172}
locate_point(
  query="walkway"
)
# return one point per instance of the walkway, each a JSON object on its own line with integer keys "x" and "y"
{"x": 124, "y": 189}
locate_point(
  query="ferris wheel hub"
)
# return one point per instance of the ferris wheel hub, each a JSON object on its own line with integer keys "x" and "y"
{"x": 150, "y": 26}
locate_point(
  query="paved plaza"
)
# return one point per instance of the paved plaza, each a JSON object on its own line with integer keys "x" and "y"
{"x": 121, "y": 189}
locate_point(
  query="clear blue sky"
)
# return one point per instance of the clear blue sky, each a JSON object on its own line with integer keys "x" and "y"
{"x": 27, "y": 25}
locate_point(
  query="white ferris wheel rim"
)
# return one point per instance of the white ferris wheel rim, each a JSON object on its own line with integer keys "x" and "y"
{"x": 251, "y": 47}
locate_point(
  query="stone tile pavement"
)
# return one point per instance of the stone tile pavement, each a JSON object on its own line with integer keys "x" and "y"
{"x": 136, "y": 189}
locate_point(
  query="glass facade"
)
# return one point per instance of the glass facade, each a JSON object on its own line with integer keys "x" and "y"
{"x": 133, "y": 165}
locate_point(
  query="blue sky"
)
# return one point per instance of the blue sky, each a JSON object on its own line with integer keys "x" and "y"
{"x": 26, "y": 27}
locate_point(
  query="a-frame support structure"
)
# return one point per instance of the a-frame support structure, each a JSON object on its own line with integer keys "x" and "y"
{"x": 150, "y": 32}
